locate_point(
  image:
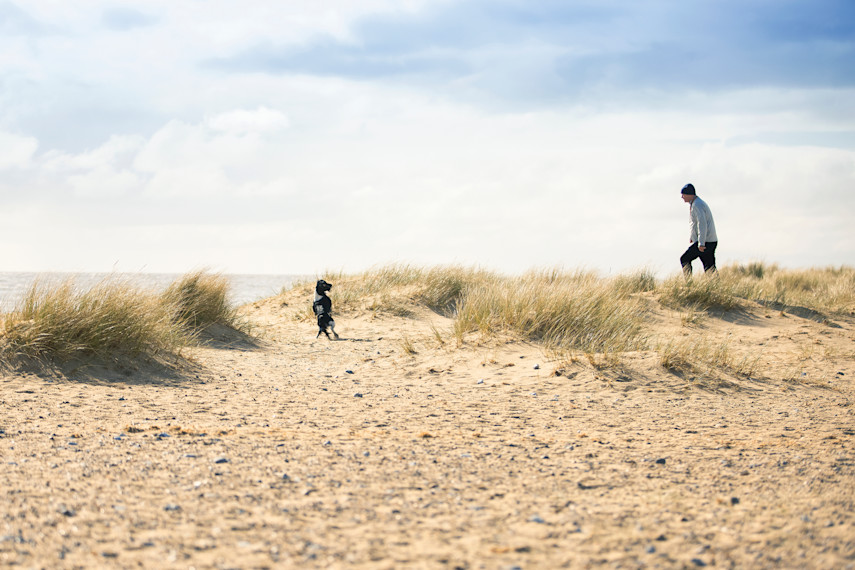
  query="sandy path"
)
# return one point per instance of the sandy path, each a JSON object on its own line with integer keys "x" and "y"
{"x": 305, "y": 452}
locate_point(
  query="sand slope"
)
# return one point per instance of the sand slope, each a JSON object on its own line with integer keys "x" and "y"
{"x": 301, "y": 452}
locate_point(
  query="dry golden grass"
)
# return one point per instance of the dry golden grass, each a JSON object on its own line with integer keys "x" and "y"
{"x": 200, "y": 299}
{"x": 562, "y": 310}
{"x": 394, "y": 289}
{"x": 687, "y": 355}
{"x": 702, "y": 293}
{"x": 581, "y": 313}
{"x": 825, "y": 290}
{"x": 60, "y": 322}
{"x": 828, "y": 290}
{"x": 569, "y": 313}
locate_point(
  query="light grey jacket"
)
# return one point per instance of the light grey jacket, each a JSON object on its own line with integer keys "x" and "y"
{"x": 703, "y": 226}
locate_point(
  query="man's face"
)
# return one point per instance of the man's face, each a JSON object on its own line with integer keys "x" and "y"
{"x": 687, "y": 198}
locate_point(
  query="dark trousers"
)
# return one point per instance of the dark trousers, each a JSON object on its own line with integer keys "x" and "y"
{"x": 707, "y": 257}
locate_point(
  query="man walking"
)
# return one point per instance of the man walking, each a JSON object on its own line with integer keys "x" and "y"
{"x": 703, "y": 237}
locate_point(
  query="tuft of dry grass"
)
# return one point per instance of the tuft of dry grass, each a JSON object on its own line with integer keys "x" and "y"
{"x": 200, "y": 299}
{"x": 407, "y": 345}
{"x": 640, "y": 281}
{"x": 563, "y": 311}
{"x": 391, "y": 289}
{"x": 61, "y": 322}
{"x": 826, "y": 290}
{"x": 704, "y": 292}
{"x": 690, "y": 355}
{"x": 58, "y": 322}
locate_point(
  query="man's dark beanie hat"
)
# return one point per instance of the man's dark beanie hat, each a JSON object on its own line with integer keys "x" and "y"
{"x": 688, "y": 189}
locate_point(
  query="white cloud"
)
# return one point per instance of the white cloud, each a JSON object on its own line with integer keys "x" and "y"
{"x": 102, "y": 172}
{"x": 241, "y": 121}
{"x": 225, "y": 155}
{"x": 15, "y": 150}
{"x": 116, "y": 150}
{"x": 105, "y": 181}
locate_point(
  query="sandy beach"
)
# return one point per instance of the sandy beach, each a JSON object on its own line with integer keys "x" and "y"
{"x": 395, "y": 448}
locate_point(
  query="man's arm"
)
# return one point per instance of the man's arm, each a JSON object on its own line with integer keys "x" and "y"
{"x": 702, "y": 227}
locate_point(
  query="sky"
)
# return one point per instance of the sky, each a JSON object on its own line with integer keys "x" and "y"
{"x": 308, "y": 136}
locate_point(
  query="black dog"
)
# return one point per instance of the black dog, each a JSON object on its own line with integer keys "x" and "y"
{"x": 323, "y": 308}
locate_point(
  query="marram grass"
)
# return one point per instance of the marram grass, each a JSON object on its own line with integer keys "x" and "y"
{"x": 562, "y": 310}
{"x": 61, "y": 321}
{"x": 570, "y": 312}
{"x": 702, "y": 292}
{"x": 828, "y": 290}
{"x": 825, "y": 289}
{"x": 200, "y": 299}
{"x": 565, "y": 311}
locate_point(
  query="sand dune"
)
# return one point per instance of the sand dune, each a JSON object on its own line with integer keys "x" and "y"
{"x": 389, "y": 449}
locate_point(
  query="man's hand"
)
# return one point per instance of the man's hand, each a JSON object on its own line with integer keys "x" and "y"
{"x": 702, "y": 248}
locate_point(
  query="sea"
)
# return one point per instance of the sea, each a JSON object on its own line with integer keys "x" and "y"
{"x": 243, "y": 288}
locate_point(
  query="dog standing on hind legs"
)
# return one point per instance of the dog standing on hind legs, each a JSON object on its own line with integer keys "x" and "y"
{"x": 323, "y": 308}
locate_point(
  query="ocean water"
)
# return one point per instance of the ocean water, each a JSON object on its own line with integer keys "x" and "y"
{"x": 244, "y": 288}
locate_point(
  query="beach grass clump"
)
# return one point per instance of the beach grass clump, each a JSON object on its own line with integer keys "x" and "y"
{"x": 376, "y": 289}
{"x": 443, "y": 288}
{"x": 753, "y": 269}
{"x": 688, "y": 355}
{"x": 200, "y": 299}
{"x": 397, "y": 288}
{"x": 563, "y": 311}
{"x": 640, "y": 281}
{"x": 826, "y": 290}
{"x": 709, "y": 291}
{"x": 61, "y": 321}
{"x": 823, "y": 289}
